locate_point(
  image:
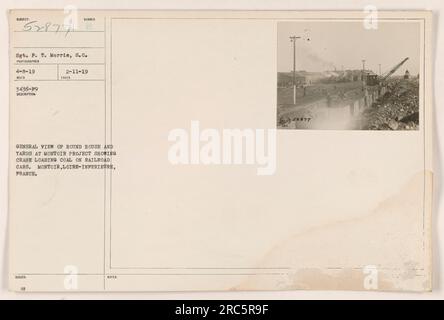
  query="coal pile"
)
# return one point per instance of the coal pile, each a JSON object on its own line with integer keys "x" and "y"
{"x": 398, "y": 109}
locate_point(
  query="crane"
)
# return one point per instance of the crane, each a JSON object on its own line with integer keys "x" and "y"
{"x": 392, "y": 70}
{"x": 373, "y": 79}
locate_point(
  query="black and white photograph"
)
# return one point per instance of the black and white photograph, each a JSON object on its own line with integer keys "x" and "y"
{"x": 348, "y": 75}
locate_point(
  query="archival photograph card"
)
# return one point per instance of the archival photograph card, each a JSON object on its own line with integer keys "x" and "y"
{"x": 220, "y": 150}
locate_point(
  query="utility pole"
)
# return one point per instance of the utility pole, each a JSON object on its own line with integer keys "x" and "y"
{"x": 379, "y": 69}
{"x": 363, "y": 71}
{"x": 293, "y": 39}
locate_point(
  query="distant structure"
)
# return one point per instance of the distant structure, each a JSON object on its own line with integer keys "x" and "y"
{"x": 353, "y": 75}
{"x": 371, "y": 78}
{"x": 407, "y": 74}
{"x": 302, "y": 78}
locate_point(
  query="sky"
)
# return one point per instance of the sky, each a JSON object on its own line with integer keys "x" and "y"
{"x": 325, "y": 45}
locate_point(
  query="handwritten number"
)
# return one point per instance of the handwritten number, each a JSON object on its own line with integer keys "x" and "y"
{"x": 47, "y": 27}
{"x": 28, "y": 25}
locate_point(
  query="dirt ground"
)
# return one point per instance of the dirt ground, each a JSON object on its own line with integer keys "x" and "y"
{"x": 315, "y": 92}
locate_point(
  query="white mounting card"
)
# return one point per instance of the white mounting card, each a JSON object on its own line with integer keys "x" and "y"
{"x": 220, "y": 150}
